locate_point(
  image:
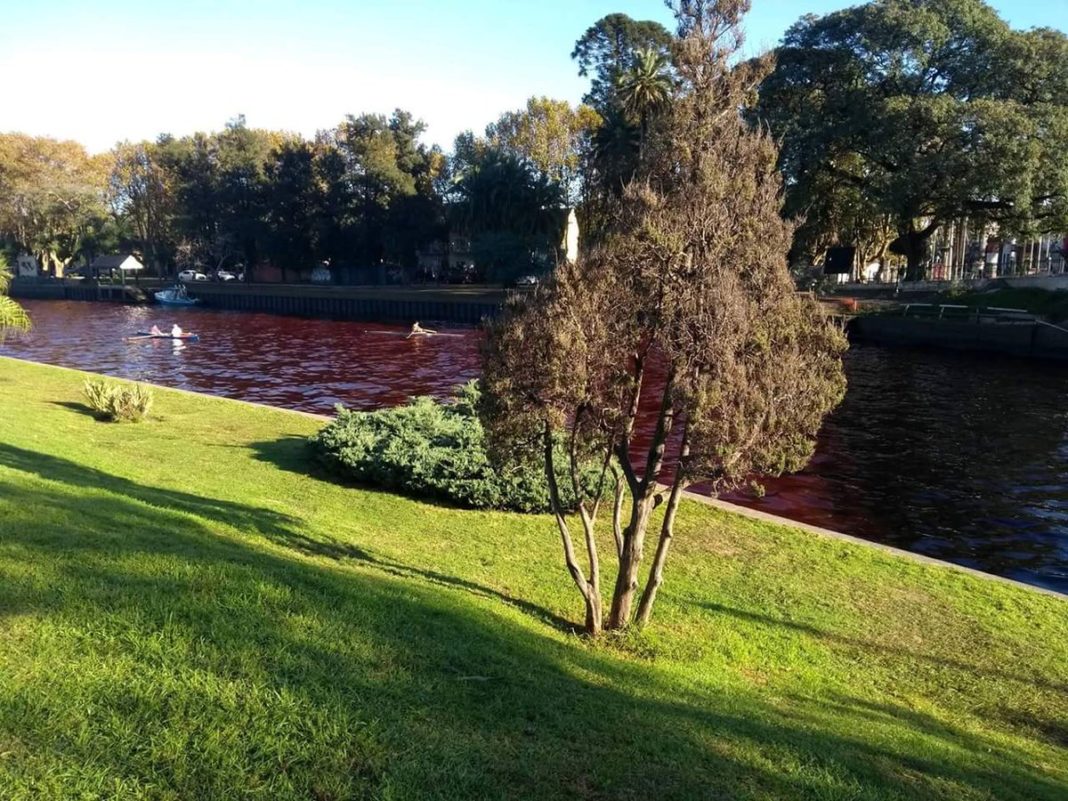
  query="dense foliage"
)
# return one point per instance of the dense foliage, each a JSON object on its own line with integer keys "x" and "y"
{"x": 12, "y": 316}
{"x": 432, "y": 450}
{"x": 686, "y": 302}
{"x": 609, "y": 48}
{"x": 900, "y": 116}
{"x": 363, "y": 198}
{"x": 52, "y": 198}
{"x": 628, "y": 62}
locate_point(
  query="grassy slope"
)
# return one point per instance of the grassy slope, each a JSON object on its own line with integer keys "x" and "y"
{"x": 185, "y": 614}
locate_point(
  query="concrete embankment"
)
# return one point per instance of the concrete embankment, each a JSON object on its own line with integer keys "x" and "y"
{"x": 1032, "y": 340}
{"x": 460, "y": 304}
{"x": 80, "y": 290}
{"x": 453, "y": 304}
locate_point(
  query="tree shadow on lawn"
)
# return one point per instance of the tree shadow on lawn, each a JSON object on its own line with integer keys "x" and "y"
{"x": 295, "y": 454}
{"x": 292, "y": 453}
{"x": 872, "y": 645}
{"x": 342, "y": 551}
{"x": 436, "y": 697}
{"x": 282, "y": 529}
{"x": 54, "y": 468}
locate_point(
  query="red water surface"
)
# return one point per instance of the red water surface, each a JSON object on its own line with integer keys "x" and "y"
{"x": 292, "y": 362}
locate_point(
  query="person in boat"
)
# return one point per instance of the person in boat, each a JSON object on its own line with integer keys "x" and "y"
{"x": 154, "y": 331}
{"x": 418, "y": 330}
{"x": 176, "y": 331}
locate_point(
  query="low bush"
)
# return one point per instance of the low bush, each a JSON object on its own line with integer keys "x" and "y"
{"x": 119, "y": 403}
{"x": 432, "y": 450}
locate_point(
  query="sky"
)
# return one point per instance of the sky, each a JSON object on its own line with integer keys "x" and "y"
{"x": 107, "y": 70}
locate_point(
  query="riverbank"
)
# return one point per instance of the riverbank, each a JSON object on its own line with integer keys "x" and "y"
{"x": 188, "y": 613}
{"x": 989, "y": 496}
{"x": 466, "y": 304}
{"x": 1030, "y": 340}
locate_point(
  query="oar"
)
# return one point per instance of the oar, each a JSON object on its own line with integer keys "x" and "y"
{"x": 138, "y": 338}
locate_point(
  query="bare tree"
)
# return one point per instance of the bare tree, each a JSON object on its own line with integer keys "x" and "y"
{"x": 691, "y": 279}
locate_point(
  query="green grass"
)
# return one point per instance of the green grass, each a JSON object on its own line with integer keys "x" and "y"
{"x": 186, "y": 614}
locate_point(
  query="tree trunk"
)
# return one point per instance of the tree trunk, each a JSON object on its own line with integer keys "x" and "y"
{"x": 656, "y": 570}
{"x": 629, "y": 562}
{"x": 667, "y": 531}
{"x": 591, "y": 594}
{"x": 594, "y": 615}
{"x": 617, "y": 513}
{"x": 643, "y": 501}
{"x": 913, "y": 245}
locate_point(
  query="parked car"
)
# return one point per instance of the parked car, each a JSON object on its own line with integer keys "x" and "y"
{"x": 191, "y": 275}
{"x": 225, "y": 275}
{"x": 527, "y": 280}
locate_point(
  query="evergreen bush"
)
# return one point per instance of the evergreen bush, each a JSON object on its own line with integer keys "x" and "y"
{"x": 431, "y": 449}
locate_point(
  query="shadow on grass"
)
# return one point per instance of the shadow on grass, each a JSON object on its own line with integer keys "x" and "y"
{"x": 282, "y": 529}
{"x": 54, "y": 468}
{"x": 873, "y": 646}
{"x": 341, "y": 551}
{"x": 305, "y": 680}
{"x": 291, "y": 453}
{"x": 81, "y": 408}
{"x": 294, "y": 454}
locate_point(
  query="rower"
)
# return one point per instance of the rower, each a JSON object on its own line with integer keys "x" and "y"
{"x": 155, "y": 331}
{"x": 418, "y": 330}
{"x": 176, "y": 331}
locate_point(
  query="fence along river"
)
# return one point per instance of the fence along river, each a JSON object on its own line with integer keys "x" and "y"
{"x": 957, "y": 456}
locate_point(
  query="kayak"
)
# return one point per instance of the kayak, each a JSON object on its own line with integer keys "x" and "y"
{"x": 150, "y": 335}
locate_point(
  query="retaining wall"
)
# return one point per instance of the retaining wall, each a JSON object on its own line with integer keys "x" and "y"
{"x": 1025, "y": 339}
{"x": 454, "y": 305}
{"x": 76, "y": 290}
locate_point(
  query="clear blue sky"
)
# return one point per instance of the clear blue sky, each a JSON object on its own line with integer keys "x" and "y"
{"x": 108, "y": 70}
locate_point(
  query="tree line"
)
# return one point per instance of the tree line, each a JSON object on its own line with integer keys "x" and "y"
{"x": 895, "y": 118}
{"x": 367, "y": 192}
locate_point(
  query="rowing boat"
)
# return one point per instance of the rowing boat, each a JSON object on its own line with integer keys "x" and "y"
{"x": 407, "y": 334}
{"x": 149, "y": 335}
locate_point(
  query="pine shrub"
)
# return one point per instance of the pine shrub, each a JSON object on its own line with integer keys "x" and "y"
{"x": 430, "y": 449}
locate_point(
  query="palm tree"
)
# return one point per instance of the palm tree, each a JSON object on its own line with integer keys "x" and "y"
{"x": 616, "y": 144}
{"x": 644, "y": 89}
{"x": 12, "y": 316}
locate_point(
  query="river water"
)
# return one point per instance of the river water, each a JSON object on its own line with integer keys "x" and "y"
{"x": 955, "y": 456}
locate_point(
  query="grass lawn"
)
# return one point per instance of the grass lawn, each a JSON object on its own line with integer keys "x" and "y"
{"x": 185, "y": 613}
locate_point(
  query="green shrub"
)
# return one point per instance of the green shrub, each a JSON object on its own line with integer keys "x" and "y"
{"x": 119, "y": 403}
{"x": 431, "y": 450}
